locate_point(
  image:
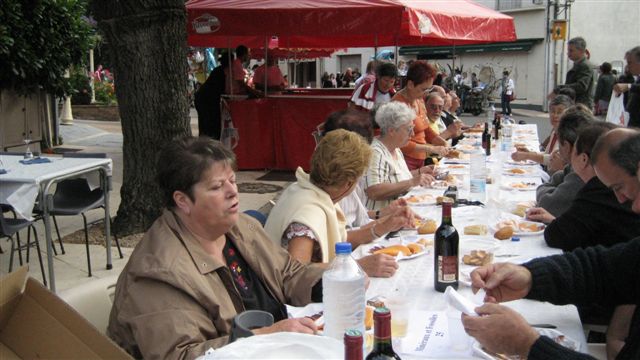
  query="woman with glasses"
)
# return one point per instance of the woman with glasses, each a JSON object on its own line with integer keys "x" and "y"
{"x": 307, "y": 219}
{"x": 388, "y": 176}
{"x": 424, "y": 140}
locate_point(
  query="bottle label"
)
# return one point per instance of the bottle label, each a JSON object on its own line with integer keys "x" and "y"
{"x": 447, "y": 269}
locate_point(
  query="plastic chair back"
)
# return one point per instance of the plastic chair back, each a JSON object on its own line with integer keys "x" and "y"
{"x": 93, "y": 300}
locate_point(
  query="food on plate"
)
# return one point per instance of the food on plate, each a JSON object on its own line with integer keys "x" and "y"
{"x": 504, "y": 233}
{"x": 453, "y": 154}
{"x": 392, "y": 250}
{"x": 517, "y": 171}
{"x": 414, "y": 199}
{"x": 478, "y": 258}
{"x": 441, "y": 199}
{"x": 529, "y": 227}
{"x": 521, "y": 210}
{"x": 424, "y": 242}
{"x": 504, "y": 223}
{"x": 368, "y": 317}
{"x": 456, "y": 166}
{"x": 475, "y": 230}
{"x": 428, "y": 227}
{"x": 522, "y": 185}
{"x": 475, "y": 130}
{"x": 415, "y": 248}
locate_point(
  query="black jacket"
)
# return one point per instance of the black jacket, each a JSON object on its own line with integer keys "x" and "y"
{"x": 595, "y": 217}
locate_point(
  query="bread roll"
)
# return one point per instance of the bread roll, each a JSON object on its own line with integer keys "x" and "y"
{"x": 475, "y": 230}
{"x": 504, "y": 233}
{"x": 428, "y": 227}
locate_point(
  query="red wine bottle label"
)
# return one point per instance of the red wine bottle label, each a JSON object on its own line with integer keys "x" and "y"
{"x": 447, "y": 268}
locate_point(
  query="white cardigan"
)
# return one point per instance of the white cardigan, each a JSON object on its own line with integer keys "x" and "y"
{"x": 305, "y": 203}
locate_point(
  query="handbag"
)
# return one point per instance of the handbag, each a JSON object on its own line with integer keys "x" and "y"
{"x": 512, "y": 96}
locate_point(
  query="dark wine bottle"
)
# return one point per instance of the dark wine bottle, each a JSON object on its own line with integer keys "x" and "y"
{"x": 486, "y": 139}
{"x": 382, "y": 347}
{"x": 352, "y": 345}
{"x": 446, "y": 252}
{"x": 496, "y": 126}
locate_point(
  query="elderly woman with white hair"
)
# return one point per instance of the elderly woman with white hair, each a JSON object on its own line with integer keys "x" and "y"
{"x": 388, "y": 176}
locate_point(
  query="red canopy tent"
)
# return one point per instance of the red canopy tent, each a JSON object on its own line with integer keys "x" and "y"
{"x": 344, "y": 23}
{"x": 292, "y": 53}
{"x": 275, "y": 132}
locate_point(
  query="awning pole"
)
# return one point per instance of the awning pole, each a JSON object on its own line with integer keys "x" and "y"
{"x": 266, "y": 64}
{"x": 230, "y": 66}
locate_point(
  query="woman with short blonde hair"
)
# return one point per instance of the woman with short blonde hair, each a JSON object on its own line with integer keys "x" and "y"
{"x": 307, "y": 219}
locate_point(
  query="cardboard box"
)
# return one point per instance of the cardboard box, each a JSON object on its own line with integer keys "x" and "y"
{"x": 35, "y": 323}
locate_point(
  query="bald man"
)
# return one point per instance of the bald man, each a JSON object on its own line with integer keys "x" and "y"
{"x": 617, "y": 166}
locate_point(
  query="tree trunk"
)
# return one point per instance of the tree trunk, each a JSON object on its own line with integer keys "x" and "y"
{"x": 148, "y": 49}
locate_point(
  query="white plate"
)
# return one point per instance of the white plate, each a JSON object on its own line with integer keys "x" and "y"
{"x": 519, "y": 232}
{"x": 528, "y": 186}
{"x": 421, "y": 200}
{"x": 521, "y": 163}
{"x": 556, "y": 335}
{"x": 528, "y": 171}
{"x": 404, "y": 240}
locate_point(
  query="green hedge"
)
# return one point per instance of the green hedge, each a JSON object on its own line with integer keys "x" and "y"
{"x": 39, "y": 40}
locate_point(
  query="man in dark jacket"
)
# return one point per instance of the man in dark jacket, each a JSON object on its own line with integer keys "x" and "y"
{"x": 580, "y": 76}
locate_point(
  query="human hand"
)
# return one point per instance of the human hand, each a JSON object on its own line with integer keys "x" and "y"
{"x": 422, "y": 180}
{"x": 429, "y": 169}
{"x": 501, "y": 281}
{"x": 557, "y": 162}
{"x": 621, "y": 88}
{"x": 540, "y": 214}
{"x": 379, "y": 265}
{"x": 440, "y": 150}
{"x": 519, "y": 156}
{"x": 303, "y": 325}
{"x": 400, "y": 218}
{"x": 501, "y": 330}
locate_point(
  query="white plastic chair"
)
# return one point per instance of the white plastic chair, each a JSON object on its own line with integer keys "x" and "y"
{"x": 93, "y": 300}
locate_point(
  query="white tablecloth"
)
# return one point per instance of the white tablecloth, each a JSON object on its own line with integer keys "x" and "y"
{"x": 20, "y": 186}
{"x": 414, "y": 279}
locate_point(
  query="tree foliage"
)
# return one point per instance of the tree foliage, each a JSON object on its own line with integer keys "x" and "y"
{"x": 39, "y": 41}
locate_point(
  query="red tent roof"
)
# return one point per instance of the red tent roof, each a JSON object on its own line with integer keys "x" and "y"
{"x": 344, "y": 23}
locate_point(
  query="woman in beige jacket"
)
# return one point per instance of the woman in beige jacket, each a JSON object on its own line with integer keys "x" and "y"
{"x": 202, "y": 262}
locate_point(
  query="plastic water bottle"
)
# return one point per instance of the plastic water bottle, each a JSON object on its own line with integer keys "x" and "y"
{"x": 343, "y": 294}
{"x": 478, "y": 175}
{"x": 507, "y": 132}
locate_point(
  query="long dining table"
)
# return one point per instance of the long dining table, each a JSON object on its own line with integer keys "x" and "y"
{"x": 28, "y": 184}
{"x": 434, "y": 327}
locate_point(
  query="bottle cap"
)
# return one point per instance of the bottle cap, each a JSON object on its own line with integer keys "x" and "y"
{"x": 515, "y": 238}
{"x": 343, "y": 248}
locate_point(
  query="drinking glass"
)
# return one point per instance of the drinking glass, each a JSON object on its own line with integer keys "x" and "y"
{"x": 27, "y": 153}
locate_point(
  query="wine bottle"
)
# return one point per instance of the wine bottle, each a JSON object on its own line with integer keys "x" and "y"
{"x": 486, "y": 139}
{"x": 352, "y": 345}
{"x": 382, "y": 347}
{"x": 446, "y": 252}
{"x": 496, "y": 127}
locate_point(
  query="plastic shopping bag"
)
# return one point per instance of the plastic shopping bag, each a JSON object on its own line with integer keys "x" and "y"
{"x": 616, "y": 113}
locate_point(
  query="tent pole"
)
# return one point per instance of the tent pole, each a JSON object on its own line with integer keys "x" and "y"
{"x": 230, "y": 66}
{"x": 395, "y": 52}
{"x": 266, "y": 64}
{"x": 375, "y": 47}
